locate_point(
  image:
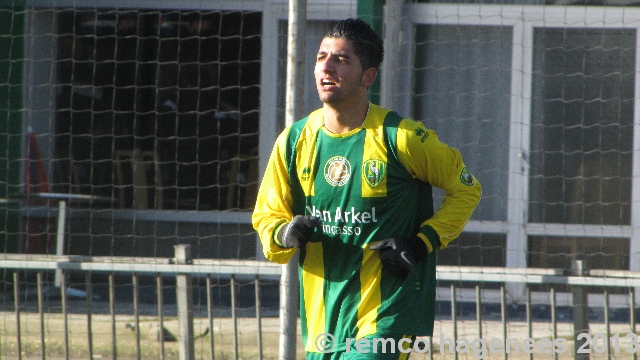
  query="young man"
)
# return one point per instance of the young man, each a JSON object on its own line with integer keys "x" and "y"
{"x": 349, "y": 186}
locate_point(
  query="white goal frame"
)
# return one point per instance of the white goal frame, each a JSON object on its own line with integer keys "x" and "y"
{"x": 523, "y": 20}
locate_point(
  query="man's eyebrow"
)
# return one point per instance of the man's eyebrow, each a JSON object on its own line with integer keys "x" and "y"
{"x": 343, "y": 55}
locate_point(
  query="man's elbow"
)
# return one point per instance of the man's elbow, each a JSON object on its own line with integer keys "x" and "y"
{"x": 279, "y": 257}
{"x": 478, "y": 193}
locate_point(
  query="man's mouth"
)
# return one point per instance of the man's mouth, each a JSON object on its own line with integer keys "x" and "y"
{"x": 327, "y": 82}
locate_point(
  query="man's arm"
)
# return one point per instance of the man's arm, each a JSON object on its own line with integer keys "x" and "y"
{"x": 432, "y": 161}
{"x": 274, "y": 204}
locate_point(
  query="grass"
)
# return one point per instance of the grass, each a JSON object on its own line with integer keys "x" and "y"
{"x": 126, "y": 342}
{"x": 150, "y": 347}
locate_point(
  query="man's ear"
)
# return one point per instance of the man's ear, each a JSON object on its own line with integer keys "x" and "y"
{"x": 368, "y": 77}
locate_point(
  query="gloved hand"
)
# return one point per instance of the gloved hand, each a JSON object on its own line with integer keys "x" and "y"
{"x": 299, "y": 231}
{"x": 401, "y": 256}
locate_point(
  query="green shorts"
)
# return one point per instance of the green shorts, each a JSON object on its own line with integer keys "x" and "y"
{"x": 372, "y": 347}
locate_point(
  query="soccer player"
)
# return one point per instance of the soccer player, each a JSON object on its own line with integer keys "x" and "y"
{"x": 350, "y": 188}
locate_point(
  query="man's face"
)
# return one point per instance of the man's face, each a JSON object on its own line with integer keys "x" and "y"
{"x": 338, "y": 71}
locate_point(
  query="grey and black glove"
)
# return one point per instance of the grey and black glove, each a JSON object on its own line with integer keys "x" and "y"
{"x": 299, "y": 231}
{"x": 401, "y": 256}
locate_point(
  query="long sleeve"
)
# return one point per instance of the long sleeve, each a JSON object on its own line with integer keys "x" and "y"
{"x": 274, "y": 203}
{"x": 432, "y": 161}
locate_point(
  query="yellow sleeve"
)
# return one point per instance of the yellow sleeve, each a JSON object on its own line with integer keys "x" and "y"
{"x": 432, "y": 161}
{"x": 274, "y": 203}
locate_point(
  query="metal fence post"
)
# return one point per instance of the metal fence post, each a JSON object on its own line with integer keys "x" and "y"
{"x": 289, "y": 288}
{"x": 454, "y": 321}
{"x": 16, "y": 302}
{"x": 632, "y": 316}
{"x": 580, "y": 309}
{"x": 294, "y": 103}
{"x": 184, "y": 298}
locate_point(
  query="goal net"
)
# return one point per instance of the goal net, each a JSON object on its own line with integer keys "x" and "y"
{"x": 153, "y": 123}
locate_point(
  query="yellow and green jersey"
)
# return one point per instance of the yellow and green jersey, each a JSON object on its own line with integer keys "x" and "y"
{"x": 366, "y": 185}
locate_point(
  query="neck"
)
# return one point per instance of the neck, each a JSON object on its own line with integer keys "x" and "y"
{"x": 342, "y": 120}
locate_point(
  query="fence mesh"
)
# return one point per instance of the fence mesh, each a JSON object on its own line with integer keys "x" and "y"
{"x": 147, "y": 122}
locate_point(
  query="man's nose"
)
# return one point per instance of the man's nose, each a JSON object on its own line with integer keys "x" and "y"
{"x": 325, "y": 65}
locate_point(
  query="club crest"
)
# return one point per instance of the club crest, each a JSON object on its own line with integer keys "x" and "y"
{"x": 466, "y": 177}
{"x": 374, "y": 171}
{"x": 337, "y": 171}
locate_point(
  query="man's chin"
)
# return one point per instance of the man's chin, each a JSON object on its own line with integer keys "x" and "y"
{"x": 330, "y": 100}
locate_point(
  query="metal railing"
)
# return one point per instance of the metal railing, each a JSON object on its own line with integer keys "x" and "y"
{"x": 185, "y": 270}
{"x": 181, "y": 267}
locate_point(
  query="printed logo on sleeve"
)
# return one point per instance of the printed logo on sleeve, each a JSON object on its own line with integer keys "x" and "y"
{"x": 306, "y": 173}
{"x": 421, "y": 131}
{"x": 466, "y": 177}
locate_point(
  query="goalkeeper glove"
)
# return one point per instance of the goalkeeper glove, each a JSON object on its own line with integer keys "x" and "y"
{"x": 401, "y": 256}
{"x": 299, "y": 231}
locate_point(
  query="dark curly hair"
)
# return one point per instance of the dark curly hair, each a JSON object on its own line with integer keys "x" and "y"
{"x": 366, "y": 42}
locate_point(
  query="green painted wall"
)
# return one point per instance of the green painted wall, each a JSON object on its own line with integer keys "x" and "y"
{"x": 371, "y": 11}
{"x": 12, "y": 20}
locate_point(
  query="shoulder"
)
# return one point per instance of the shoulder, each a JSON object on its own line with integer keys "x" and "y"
{"x": 306, "y": 126}
{"x": 414, "y": 130}
{"x": 292, "y": 135}
{"x": 413, "y": 139}
{"x": 392, "y": 120}
{"x": 405, "y": 131}
{"x": 302, "y": 127}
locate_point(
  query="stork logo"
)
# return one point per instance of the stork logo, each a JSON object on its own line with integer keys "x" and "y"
{"x": 337, "y": 171}
{"x": 374, "y": 171}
